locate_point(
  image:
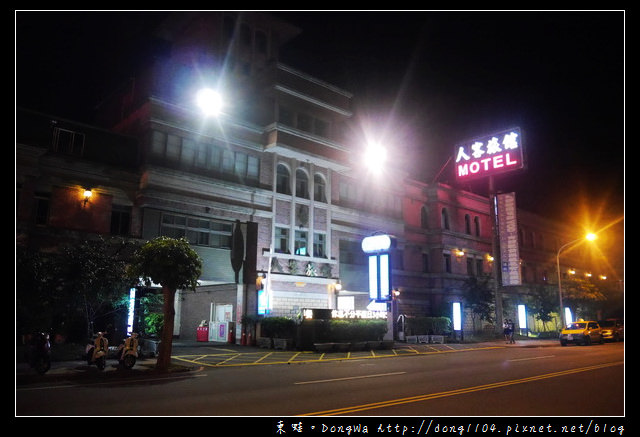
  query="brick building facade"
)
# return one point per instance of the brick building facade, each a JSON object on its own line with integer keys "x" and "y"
{"x": 282, "y": 160}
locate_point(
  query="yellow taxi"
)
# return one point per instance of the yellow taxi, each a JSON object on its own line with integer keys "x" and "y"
{"x": 582, "y": 332}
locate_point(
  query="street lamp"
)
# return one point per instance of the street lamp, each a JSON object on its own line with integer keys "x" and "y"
{"x": 209, "y": 101}
{"x": 375, "y": 157}
{"x": 588, "y": 237}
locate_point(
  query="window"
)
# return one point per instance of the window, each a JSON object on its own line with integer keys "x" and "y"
{"x": 425, "y": 263}
{"x": 479, "y": 267}
{"x": 253, "y": 167}
{"x": 301, "y": 243}
{"x": 470, "y": 266}
{"x": 467, "y": 224}
{"x": 319, "y": 246}
{"x": 173, "y": 147}
{"x": 228, "y": 27}
{"x": 41, "y": 209}
{"x": 282, "y": 240}
{"x": 302, "y": 184}
{"x": 120, "y": 220}
{"x": 188, "y": 151}
{"x": 447, "y": 262}
{"x": 283, "y": 183}
{"x": 199, "y": 231}
{"x": 158, "y": 142}
{"x": 305, "y": 122}
{"x": 476, "y": 221}
{"x": 285, "y": 116}
{"x": 320, "y": 127}
{"x": 227, "y": 161}
{"x": 319, "y": 193}
{"x": 245, "y": 34}
{"x": 424, "y": 223}
{"x": 67, "y": 141}
{"x": 445, "y": 219}
{"x": 240, "y": 165}
{"x": 261, "y": 42}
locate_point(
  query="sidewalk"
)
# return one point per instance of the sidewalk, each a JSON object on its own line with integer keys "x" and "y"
{"x": 78, "y": 368}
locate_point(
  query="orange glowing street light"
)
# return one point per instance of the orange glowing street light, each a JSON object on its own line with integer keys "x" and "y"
{"x": 589, "y": 237}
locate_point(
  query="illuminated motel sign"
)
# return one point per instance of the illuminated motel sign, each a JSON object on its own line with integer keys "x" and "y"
{"x": 489, "y": 155}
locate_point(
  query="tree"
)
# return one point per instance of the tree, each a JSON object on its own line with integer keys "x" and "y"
{"x": 583, "y": 295}
{"x": 542, "y": 302}
{"x": 174, "y": 265}
{"x": 92, "y": 275}
{"x": 478, "y": 296}
{"x": 81, "y": 281}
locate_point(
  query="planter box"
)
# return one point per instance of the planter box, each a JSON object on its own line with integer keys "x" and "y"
{"x": 264, "y": 342}
{"x": 423, "y": 339}
{"x": 323, "y": 347}
{"x": 436, "y": 339}
{"x": 373, "y": 344}
{"x": 342, "y": 347}
{"x": 283, "y": 343}
{"x": 149, "y": 348}
{"x": 412, "y": 339}
{"x": 387, "y": 344}
{"x": 359, "y": 346}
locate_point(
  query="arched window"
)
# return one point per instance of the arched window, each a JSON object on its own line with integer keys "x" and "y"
{"x": 476, "y": 221}
{"x": 424, "y": 222}
{"x": 302, "y": 184}
{"x": 319, "y": 188}
{"x": 467, "y": 224}
{"x": 445, "y": 219}
{"x": 283, "y": 180}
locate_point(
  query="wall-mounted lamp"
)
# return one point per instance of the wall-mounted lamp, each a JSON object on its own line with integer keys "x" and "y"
{"x": 489, "y": 258}
{"x": 459, "y": 253}
{"x": 86, "y": 196}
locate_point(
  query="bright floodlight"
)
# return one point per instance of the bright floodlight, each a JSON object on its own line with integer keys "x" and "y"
{"x": 375, "y": 157}
{"x": 209, "y": 101}
{"x": 591, "y": 236}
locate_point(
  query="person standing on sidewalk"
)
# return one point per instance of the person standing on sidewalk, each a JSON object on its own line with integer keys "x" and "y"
{"x": 512, "y": 329}
{"x": 505, "y": 330}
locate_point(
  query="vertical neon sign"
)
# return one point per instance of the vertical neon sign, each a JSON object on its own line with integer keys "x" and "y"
{"x": 457, "y": 316}
{"x": 378, "y": 247}
{"x": 132, "y": 306}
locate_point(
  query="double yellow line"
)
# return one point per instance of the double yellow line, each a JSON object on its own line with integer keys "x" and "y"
{"x": 426, "y": 397}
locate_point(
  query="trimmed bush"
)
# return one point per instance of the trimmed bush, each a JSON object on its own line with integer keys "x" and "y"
{"x": 429, "y": 325}
{"x": 278, "y": 327}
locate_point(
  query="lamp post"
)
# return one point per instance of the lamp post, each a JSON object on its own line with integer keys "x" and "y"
{"x": 588, "y": 237}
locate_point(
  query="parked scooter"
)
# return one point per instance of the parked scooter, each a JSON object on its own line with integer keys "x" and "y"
{"x": 128, "y": 352}
{"x": 39, "y": 352}
{"x": 96, "y": 352}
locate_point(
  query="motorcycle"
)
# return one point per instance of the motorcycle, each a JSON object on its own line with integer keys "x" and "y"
{"x": 39, "y": 353}
{"x": 127, "y": 353}
{"x": 97, "y": 356}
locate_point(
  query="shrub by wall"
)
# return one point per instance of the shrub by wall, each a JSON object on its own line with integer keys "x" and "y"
{"x": 278, "y": 327}
{"x": 428, "y": 325}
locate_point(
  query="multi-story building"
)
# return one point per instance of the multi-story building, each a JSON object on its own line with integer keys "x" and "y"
{"x": 282, "y": 162}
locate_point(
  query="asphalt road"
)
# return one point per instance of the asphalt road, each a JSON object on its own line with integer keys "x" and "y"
{"x": 497, "y": 381}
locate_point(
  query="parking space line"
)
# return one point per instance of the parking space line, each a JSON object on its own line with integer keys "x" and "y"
{"x": 263, "y": 357}
{"x": 283, "y": 357}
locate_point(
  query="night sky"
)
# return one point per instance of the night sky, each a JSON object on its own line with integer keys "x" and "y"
{"x": 426, "y": 80}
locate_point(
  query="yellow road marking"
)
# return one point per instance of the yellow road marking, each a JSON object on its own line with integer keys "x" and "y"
{"x": 235, "y": 359}
{"x": 426, "y": 397}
